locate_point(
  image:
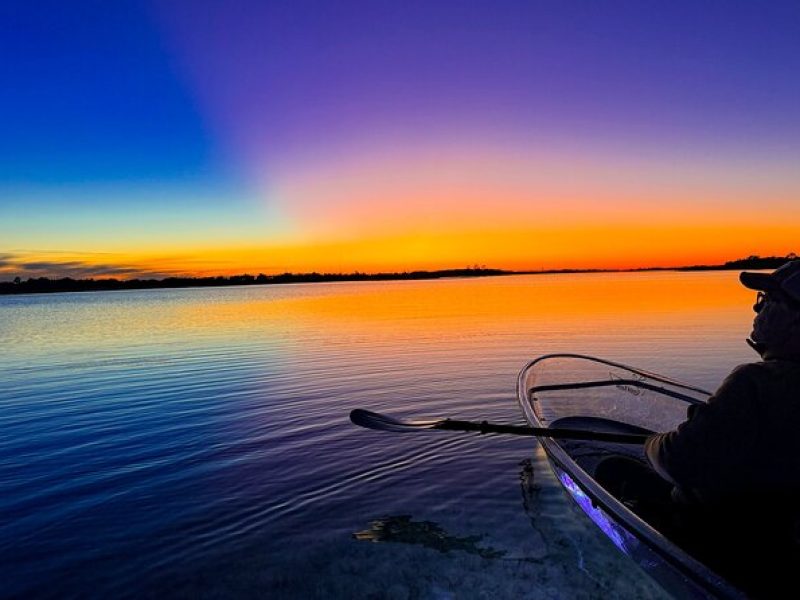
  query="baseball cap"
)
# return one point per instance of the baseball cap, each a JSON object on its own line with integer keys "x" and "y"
{"x": 785, "y": 279}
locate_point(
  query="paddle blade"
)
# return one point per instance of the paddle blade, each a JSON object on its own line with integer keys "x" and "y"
{"x": 373, "y": 420}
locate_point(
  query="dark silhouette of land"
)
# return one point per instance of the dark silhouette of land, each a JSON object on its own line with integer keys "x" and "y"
{"x": 42, "y": 285}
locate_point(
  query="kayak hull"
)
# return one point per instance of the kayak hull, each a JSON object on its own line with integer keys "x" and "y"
{"x": 573, "y": 464}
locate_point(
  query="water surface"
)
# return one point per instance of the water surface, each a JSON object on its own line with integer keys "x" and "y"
{"x": 195, "y": 442}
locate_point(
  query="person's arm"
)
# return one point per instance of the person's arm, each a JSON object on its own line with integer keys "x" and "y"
{"x": 708, "y": 451}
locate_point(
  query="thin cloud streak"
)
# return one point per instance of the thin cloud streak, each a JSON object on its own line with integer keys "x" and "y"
{"x": 20, "y": 265}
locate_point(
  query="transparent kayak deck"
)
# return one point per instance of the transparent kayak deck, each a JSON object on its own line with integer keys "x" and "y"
{"x": 584, "y": 392}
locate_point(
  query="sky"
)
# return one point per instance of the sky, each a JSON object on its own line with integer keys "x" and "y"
{"x": 202, "y": 138}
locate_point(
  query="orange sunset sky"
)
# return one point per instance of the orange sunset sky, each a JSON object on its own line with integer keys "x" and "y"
{"x": 169, "y": 139}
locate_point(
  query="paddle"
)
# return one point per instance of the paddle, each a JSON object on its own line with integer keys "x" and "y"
{"x": 373, "y": 420}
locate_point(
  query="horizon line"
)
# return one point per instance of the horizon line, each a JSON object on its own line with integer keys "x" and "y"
{"x": 68, "y": 284}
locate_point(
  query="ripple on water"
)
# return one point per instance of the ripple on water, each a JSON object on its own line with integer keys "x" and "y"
{"x": 196, "y": 442}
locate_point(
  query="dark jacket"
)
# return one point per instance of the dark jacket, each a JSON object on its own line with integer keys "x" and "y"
{"x": 744, "y": 442}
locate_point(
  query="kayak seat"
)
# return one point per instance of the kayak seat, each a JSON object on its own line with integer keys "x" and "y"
{"x": 587, "y": 453}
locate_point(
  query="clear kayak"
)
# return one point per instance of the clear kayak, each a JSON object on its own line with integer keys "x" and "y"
{"x": 583, "y": 392}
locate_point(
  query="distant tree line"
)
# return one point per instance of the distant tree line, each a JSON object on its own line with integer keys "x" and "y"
{"x": 751, "y": 262}
{"x": 68, "y": 284}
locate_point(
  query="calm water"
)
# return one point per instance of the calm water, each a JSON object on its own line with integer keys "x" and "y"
{"x": 196, "y": 442}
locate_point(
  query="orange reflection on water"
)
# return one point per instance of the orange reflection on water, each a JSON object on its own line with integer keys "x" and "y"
{"x": 629, "y": 300}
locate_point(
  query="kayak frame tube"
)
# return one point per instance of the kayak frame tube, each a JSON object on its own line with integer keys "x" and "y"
{"x": 674, "y": 569}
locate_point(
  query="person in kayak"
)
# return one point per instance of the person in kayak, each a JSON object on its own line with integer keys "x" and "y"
{"x": 726, "y": 482}
{"x": 746, "y": 440}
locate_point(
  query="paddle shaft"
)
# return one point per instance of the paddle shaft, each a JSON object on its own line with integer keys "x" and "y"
{"x": 559, "y": 433}
{"x": 373, "y": 420}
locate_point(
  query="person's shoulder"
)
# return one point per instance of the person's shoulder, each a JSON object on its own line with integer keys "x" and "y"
{"x": 747, "y": 376}
{"x": 782, "y": 364}
{"x": 756, "y": 377}
{"x": 781, "y": 370}
{"x": 753, "y": 370}
{"x": 765, "y": 368}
